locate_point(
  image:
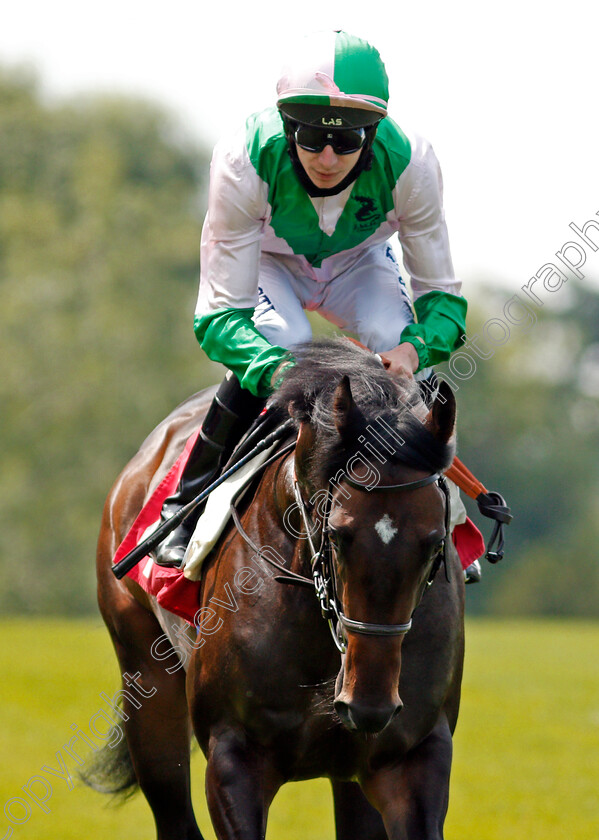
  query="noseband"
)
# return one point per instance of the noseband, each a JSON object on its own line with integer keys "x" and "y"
{"x": 323, "y": 568}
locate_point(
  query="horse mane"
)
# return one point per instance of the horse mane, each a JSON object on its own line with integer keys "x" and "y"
{"x": 392, "y": 406}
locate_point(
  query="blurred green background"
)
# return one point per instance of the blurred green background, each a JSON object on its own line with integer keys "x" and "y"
{"x": 101, "y": 203}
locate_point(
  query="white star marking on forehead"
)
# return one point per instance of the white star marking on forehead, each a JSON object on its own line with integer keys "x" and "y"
{"x": 385, "y": 529}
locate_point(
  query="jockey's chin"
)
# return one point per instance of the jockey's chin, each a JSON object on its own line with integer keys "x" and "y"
{"x": 326, "y": 169}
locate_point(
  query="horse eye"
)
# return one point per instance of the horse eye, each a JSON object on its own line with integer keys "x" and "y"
{"x": 337, "y": 537}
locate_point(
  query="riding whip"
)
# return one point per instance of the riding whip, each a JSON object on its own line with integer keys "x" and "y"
{"x": 144, "y": 548}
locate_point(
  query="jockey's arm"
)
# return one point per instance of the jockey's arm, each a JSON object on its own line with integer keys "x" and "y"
{"x": 439, "y": 307}
{"x": 230, "y": 256}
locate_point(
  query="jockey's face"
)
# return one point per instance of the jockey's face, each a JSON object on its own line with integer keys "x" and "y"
{"x": 326, "y": 169}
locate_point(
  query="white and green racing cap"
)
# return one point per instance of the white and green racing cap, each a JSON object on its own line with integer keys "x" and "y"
{"x": 334, "y": 79}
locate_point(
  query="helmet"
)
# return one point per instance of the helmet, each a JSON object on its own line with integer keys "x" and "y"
{"x": 334, "y": 80}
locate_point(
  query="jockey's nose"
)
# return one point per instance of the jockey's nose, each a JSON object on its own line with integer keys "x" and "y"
{"x": 328, "y": 157}
{"x": 357, "y": 716}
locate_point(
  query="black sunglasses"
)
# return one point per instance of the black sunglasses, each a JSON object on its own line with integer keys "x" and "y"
{"x": 343, "y": 140}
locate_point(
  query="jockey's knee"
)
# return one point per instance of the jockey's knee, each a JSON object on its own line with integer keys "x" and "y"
{"x": 286, "y": 334}
{"x": 379, "y": 337}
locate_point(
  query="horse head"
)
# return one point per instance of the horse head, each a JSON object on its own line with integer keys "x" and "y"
{"x": 377, "y": 460}
{"x": 385, "y": 544}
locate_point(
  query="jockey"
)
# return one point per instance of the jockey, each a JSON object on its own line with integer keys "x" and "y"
{"x": 302, "y": 203}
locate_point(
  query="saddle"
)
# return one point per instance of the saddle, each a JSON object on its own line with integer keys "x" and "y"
{"x": 219, "y": 504}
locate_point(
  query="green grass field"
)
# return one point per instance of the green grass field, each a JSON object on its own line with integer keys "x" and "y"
{"x": 526, "y": 763}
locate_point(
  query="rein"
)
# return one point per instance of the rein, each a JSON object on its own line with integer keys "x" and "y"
{"x": 490, "y": 504}
{"x": 323, "y": 579}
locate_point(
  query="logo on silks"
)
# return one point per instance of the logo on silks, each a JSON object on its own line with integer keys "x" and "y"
{"x": 389, "y": 253}
{"x": 367, "y": 214}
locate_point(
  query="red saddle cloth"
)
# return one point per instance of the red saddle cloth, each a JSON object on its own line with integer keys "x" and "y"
{"x": 181, "y": 596}
{"x": 172, "y": 591}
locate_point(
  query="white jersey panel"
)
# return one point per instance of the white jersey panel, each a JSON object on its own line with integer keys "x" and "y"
{"x": 418, "y": 201}
{"x": 233, "y": 229}
{"x": 237, "y": 229}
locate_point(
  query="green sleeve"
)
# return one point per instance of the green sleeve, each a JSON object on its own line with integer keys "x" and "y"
{"x": 230, "y": 337}
{"x": 441, "y": 327}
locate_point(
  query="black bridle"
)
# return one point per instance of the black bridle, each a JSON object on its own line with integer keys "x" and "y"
{"x": 323, "y": 566}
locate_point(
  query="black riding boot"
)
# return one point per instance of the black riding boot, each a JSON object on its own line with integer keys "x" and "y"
{"x": 231, "y": 413}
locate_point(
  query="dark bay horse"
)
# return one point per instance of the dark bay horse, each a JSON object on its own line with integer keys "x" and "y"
{"x": 270, "y": 692}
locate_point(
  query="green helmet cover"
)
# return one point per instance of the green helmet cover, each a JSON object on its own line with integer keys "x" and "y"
{"x": 336, "y": 71}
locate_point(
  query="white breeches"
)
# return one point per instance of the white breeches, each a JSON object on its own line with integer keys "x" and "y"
{"x": 369, "y": 299}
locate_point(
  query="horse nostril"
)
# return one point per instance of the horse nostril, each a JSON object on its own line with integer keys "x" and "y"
{"x": 398, "y": 709}
{"x": 344, "y": 714}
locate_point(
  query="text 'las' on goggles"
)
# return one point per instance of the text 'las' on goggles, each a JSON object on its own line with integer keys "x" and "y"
{"x": 343, "y": 140}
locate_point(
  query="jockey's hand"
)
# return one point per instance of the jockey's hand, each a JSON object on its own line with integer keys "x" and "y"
{"x": 277, "y": 376}
{"x": 401, "y": 361}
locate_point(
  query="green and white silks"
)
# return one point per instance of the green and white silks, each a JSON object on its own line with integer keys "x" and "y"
{"x": 258, "y": 207}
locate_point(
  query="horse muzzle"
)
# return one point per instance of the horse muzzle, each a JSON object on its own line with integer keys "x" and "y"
{"x": 366, "y": 695}
{"x": 361, "y": 717}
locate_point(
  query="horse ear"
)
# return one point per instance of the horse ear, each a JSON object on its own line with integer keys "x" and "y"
{"x": 306, "y": 439}
{"x": 345, "y": 412}
{"x": 442, "y": 416}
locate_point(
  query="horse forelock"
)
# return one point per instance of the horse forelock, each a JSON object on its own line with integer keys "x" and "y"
{"x": 390, "y": 412}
